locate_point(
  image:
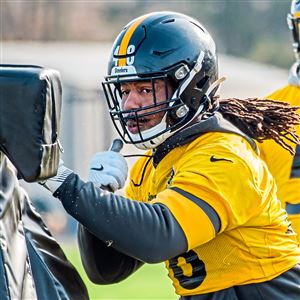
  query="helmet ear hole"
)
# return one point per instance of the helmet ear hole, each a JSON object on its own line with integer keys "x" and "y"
{"x": 202, "y": 82}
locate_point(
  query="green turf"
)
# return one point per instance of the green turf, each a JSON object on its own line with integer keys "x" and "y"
{"x": 149, "y": 282}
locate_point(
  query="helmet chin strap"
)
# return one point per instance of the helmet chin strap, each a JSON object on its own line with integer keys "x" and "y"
{"x": 161, "y": 126}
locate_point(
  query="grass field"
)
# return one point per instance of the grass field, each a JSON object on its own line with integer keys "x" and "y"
{"x": 149, "y": 282}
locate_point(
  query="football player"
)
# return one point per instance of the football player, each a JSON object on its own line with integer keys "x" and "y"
{"x": 200, "y": 199}
{"x": 284, "y": 167}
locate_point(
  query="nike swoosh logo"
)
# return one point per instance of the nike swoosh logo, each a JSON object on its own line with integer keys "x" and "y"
{"x": 98, "y": 169}
{"x": 214, "y": 159}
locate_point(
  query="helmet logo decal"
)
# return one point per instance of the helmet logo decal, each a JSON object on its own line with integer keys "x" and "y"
{"x": 126, "y": 70}
{"x": 130, "y": 50}
{"x": 124, "y": 49}
{"x": 125, "y": 61}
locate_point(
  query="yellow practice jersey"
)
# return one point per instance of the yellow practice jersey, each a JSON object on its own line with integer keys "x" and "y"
{"x": 284, "y": 167}
{"x": 219, "y": 174}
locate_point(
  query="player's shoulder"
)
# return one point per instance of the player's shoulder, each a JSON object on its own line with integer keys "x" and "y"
{"x": 211, "y": 146}
{"x": 289, "y": 93}
{"x": 218, "y": 141}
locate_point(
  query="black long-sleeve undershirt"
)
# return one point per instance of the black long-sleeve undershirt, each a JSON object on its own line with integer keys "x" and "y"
{"x": 144, "y": 231}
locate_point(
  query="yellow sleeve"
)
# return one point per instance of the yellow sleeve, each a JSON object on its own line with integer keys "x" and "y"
{"x": 190, "y": 216}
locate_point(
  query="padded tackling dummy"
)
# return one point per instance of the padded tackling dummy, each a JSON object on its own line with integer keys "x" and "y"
{"x": 30, "y": 107}
{"x": 32, "y": 264}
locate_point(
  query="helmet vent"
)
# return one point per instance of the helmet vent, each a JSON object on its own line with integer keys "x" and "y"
{"x": 162, "y": 53}
{"x": 168, "y": 21}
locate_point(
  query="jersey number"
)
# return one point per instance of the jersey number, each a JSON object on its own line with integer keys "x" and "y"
{"x": 198, "y": 270}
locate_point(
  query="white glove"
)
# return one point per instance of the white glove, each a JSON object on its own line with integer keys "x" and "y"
{"x": 53, "y": 183}
{"x": 108, "y": 169}
{"x": 294, "y": 74}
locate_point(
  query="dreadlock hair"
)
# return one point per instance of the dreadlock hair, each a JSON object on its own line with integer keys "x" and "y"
{"x": 263, "y": 119}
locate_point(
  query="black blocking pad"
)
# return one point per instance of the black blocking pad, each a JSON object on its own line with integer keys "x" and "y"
{"x": 30, "y": 108}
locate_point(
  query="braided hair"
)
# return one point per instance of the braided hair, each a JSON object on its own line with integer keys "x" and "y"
{"x": 263, "y": 119}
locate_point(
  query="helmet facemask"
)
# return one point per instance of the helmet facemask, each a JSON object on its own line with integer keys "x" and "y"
{"x": 293, "y": 20}
{"x": 175, "y": 111}
{"x": 144, "y": 137}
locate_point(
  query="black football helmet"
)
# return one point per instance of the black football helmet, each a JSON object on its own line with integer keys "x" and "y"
{"x": 293, "y": 20}
{"x": 168, "y": 46}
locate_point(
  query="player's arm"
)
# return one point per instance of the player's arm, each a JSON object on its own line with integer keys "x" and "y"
{"x": 147, "y": 232}
{"x": 150, "y": 232}
{"x": 102, "y": 263}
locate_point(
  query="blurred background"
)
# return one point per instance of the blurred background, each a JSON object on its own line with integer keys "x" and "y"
{"x": 75, "y": 37}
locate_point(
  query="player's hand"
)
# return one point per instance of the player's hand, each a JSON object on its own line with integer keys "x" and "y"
{"x": 53, "y": 183}
{"x": 108, "y": 170}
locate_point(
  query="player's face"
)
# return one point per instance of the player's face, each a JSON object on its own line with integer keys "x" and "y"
{"x": 148, "y": 95}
